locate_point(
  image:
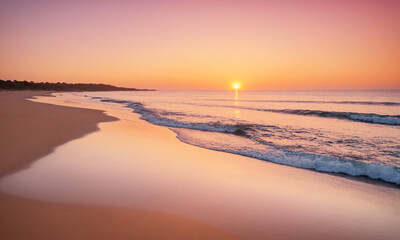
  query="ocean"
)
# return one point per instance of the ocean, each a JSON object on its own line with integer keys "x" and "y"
{"x": 356, "y": 133}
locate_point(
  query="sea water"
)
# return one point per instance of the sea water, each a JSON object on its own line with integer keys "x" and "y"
{"x": 352, "y": 132}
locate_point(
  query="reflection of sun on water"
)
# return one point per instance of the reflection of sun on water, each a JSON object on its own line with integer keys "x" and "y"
{"x": 236, "y": 113}
{"x": 236, "y": 86}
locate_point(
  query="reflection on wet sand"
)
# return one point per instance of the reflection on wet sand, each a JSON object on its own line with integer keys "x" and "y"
{"x": 134, "y": 164}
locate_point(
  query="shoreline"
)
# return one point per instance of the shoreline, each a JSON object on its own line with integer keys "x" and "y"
{"x": 133, "y": 164}
{"x": 116, "y": 172}
{"x": 31, "y": 130}
{"x": 380, "y": 173}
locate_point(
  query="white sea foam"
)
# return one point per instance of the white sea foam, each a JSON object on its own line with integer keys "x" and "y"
{"x": 359, "y": 117}
{"x": 374, "y": 118}
{"x": 323, "y": 102}
{"x": 318, "y": 162}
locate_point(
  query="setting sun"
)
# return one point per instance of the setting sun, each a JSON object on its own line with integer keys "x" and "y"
{"x": 225, "y": 119}
{"x": 236, "y": 85}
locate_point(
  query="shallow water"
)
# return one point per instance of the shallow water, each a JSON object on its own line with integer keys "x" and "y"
{"x": 133, "y": 164}
{"x": 351, "y": 132}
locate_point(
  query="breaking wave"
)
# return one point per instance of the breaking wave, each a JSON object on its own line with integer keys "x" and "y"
{"x": 323, "y": 102}
{"x": 159, "y": 118}
{"x": 393, "y": 120}
{"x": 322, "y": 163}
{"x": 360, "y": 117}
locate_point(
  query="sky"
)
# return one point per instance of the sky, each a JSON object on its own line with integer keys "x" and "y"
{"x": 161, "y": 44}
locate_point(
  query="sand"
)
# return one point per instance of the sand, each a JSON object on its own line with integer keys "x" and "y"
{"x": 30, "y": 219}
{"x": 31, "y": 130}
{"x": 135, "y": 180}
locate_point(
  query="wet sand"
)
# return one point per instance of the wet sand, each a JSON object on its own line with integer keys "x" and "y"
{"x": 131, "y": 164}
{"x": 22, "y": 218}
{"x": 31, "y": 130}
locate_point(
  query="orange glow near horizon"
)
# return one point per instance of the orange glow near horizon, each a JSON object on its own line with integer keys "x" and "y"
{"x": 236, "y": 85}
{"x": 297, "y": 44}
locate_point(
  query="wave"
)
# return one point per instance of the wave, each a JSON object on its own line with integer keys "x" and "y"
{"x": 323, "y": 102}
{"x": 360, "y": 117}
{"x": 393, "y": 120}
{"x": 158, "y": 118}
{"x": 322, "y": 163}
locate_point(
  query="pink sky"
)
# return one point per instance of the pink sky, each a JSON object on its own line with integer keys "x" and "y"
{"x": 305, "y": 44}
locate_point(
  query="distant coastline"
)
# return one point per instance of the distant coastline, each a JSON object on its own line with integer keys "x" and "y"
{"x": 61, "y": 86}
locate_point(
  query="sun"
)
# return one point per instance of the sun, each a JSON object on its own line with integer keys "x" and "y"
{"x": 236, "y": 85}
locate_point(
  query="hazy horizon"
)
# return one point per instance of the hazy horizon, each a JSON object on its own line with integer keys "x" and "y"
{"x": 228, "y": 87}
{"x": 207, "y": 45}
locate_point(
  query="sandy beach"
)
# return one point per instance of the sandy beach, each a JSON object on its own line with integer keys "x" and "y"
{"x": 128, "y": 179}
{"x": 200, "y": 120}
{"x": 31, "y": 130}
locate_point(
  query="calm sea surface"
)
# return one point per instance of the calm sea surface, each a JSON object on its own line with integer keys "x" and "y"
{"x": 351, "y": 132}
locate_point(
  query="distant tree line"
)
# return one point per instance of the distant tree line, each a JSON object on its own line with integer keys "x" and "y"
{"x": 61, "y": 86}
